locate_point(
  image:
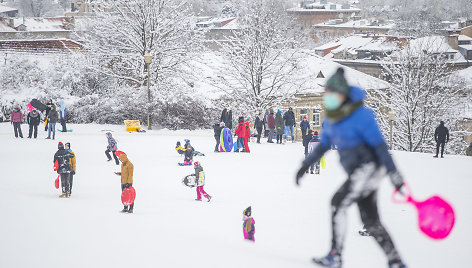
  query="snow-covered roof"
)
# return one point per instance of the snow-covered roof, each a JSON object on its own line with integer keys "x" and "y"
{"x": 464, "y": 38}
{"x": 7, "y": 9}
{"x": 324, "y": 7}
{"x": 466, "y": 47}
{"x": 352, "y": 44}
{"x": 434, "y": 43}
{"x": 314, "y": 64}
{"x": 363, "y": 23}
{"x": 35, "y": 24}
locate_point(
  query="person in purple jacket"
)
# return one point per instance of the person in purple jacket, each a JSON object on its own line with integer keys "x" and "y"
{"x": 16, "y": 119}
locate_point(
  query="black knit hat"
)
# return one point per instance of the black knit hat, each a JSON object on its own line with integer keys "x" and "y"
{"x": 67, "y": 144}
{"x": 247, "y": 211}
{"x": 337, "y": 82}
{"x": 60, "y": 145}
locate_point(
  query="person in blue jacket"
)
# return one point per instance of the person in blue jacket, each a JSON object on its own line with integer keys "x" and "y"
{"x": 304, "y": 126}
{"x": 352, "y": 127}
{"x": 62, "y": 113}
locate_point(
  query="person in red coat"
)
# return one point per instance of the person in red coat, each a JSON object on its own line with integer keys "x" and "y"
{"x": 247, "y": 136}
{"x": 241, "y": 133}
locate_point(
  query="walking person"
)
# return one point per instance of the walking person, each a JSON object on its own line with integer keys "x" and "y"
{"x": 289, "y": 120}
{"x": 217, "y": 129}
{"x": 441, "y": 136}
{"x": 248, "y": 225}
{"x": 111, "y": 147}
{"x": 72, "y": 166}
{"x": 63, "y": 158}
{"x": 304, "y": 126}
{"x": 314, "y": 141}
{"x": 62, "y": 113}
{"x": 271, "y": 126}
{"x": 127, "y": 169}
{"x": 258, "y": 125}
{"x": 16, "y": 119}
{"x": 227, "y": 117}
{"x": 352, "y": 127}
{"x": 200, "y": 177}
{"x": 52, "y": 120}
{"x": 241, "y": 133}
{"x": 33, "y": 120}
{"x": 279, "y": 125}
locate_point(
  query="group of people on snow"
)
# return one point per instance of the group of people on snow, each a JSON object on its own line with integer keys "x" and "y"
{"x": 33, "y": 119}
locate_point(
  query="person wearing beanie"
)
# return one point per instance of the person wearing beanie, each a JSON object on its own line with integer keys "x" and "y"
{"x": 63, "y": 159}
{"x": 72, "y": 166}
{"x": 16, "y": 119}
{"x": 312, "y": 143}
{"x": 289, "y": 121}
{"x": 111, "y": 147}
{"x": 179, "y": 148}
{"x": 195, "y": 152}
{"x": 127, "y": 170}
{"x": 441, "y": 136}
{"x": 304, "y": 126}
{"x": 51, "y": 122}
{"x": 200, "y": 182}
{"x": 306, "y": 141}
{"x": 241, "y": 133}
{"x": 271, "y": 126}
{"x": 33, "y": 120}
{"x": 248, "y": 225}
{"x": 364, "y": 155}
{"x": 279, "y": 125}
{"x": 217, "y": 128}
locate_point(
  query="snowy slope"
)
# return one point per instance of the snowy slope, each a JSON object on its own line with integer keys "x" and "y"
{"x": 170, "y": 229}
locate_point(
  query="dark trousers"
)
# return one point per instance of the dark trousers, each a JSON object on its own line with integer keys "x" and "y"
{"x": 361, "y": 188}
{"x": 17, "y": 129}
{"x": 63, "y": 124}
{"x": 31, "y": 128}
{"x": 303, "y": 134}
{"x": 259, "y": 133}
{"x": 217, "y": 146}
{"x": 240, "y": 143}
{"x": 107, "y": 152}
{"x": 266, "y": 133}
{"x": 132, "y": 205}
{"x": 279, "y": 137}
{"x": 71, "y": 179}
{"x": 440, "y": 143}
{"x": 65, "y": 182}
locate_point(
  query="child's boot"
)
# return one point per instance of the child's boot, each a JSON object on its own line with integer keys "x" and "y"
{"x": 63, "y": 195}
{"x": 209, "y": 198}
{"x": 331, "y": 260}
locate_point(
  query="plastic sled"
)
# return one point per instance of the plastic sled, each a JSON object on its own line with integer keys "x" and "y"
{"x": 128, "y": 195}
{"x": 118, "y": 153}
{"x": 435, "y": 216}
{"x": 56, "y": 182}
{"x": 69, "y": 130}
{"x": 323, "y": 162}
{"x": 38, "y": 105}
{"x": 190, "y": 181}
{"x": 56, "y": 165}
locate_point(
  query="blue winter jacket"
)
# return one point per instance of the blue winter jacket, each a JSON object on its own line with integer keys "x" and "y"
{"x": 304, "y": 125}
{"x": 357, "y": 137}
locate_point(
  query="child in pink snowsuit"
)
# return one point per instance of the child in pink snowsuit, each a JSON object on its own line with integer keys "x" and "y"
{"x": 200, "y": 177}
{"x": 248, "y": 225}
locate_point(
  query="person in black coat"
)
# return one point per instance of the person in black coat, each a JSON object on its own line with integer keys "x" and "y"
{"x": 289, "y": 120}
{"x": 48, "y": 108}
{"x": 33, "y": 120}
{"x": 217, "y": 128}
{"x": 306, "y": 141}
{"x": 227, "y": 117}
{"x": 258, "y": 125}
{"x": 63, "y": 158}
{"x": 441, "y": 136}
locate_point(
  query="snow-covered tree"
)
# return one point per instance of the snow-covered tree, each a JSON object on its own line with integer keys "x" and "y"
{"x": 124, "y": 31}
{"x": 421, "y": 94}
{"x": 260, "y": 59}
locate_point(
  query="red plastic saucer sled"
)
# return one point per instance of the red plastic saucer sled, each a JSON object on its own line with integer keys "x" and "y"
{"x": 56, "y": 182}
{"x": 435, "y": 216}
{"x": 128, "y": 195}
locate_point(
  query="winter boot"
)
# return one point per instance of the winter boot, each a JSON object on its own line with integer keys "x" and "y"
{"x": 124, "y": 210}
{"x": 330, "y": 260}
{"x": 396, "y": 264}
{"x": 63, "y": 195}
{"x": 198, "y": 200}
{"x": 209, "y": 198}
{"x": 364, "y": 232}
{"x": 311, "y": 172}
{"x": 48, "y": 138}
{"x": 436, "y": 156}
{"x": 109, "y": 160}
{"x": 442, "y": 156}
{"x": 130, "y": 211}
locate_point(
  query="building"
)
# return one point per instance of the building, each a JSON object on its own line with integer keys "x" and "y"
{"x": 6, "y": 11}
{"x": 337, "y": 28}
{"x": 80, "y": 8}
{"x": 311, "y": 12}
{"x": 464, "y": 45}
{"x": 36, "y": 28}
{"x": 40, "y": 46}
{"x": 218, "y": 30}
{"x": 309, "y": 103}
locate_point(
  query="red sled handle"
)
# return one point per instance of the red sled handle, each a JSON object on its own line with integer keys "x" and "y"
{"x": 407, "y": 198}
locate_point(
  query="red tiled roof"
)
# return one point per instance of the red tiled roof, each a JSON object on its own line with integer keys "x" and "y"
{"x": 40, "y": 46}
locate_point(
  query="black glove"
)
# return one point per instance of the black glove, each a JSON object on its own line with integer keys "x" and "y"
{"x": 300, "y": 173}
{"x": 397, "y": 180}
{"x": 73, "y": 173}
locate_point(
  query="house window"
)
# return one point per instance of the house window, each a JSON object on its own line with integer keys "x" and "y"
{"x": 303, "y": 112}
{"x": 316, "y": 118}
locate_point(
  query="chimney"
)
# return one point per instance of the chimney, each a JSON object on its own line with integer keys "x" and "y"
{"x": 453, "y": 41}
{"x": 11, "y": 22}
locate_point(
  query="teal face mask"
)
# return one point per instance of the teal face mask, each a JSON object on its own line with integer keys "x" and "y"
{"x": 331, "y": 101}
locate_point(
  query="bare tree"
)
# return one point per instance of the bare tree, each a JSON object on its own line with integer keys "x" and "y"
{"x": 422, "y": 93}
{"x": 260, "y": 59}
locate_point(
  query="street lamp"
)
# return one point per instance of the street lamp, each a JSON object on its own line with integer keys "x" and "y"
{"x": 391, "y": 117}
{"x": 148, "y": 60}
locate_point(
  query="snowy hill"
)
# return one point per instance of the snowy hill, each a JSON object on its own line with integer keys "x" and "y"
{"x": 170, "y": 229}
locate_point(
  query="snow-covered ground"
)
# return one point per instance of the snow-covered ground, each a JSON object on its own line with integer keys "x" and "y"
{"x": 170, "y": 229}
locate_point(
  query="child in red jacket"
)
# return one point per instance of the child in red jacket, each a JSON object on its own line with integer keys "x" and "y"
{"x": 241, "y": 133}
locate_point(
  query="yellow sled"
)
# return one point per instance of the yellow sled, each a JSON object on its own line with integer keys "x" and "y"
{"x": 133, "y": 125}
